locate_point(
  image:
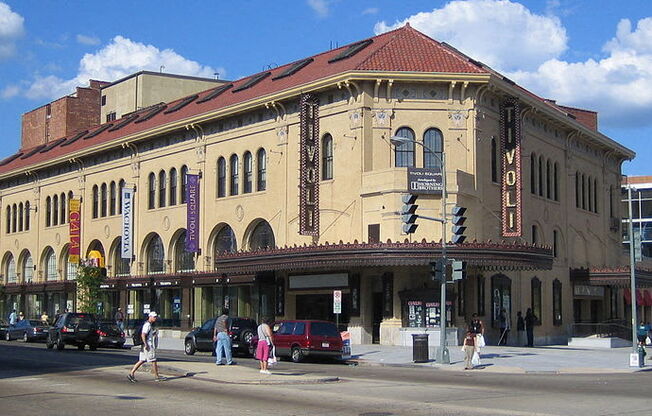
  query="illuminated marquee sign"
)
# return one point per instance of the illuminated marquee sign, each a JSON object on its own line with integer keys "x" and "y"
{"x": 309, "y": 179}
{"x": 510, "y": 151}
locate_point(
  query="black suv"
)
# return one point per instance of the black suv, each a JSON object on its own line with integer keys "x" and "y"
{"x": 242, "y": 332}
{"x": 79, "y": 329}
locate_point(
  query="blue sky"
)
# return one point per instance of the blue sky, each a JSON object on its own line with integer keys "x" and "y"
{"x": 594, "y": 54}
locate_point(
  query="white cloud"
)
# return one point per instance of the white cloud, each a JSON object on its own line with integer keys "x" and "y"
{"x": 321, "y": 7}
{"x": 87, "y": 40}
{"x": 10, "y": 91}
{"x": 11, "y": 28}
{"x": 502, "y": 34}
{"x": 121, "y": 57}
{"x": 370, "y": 10}
{"x": 618, "y": 86}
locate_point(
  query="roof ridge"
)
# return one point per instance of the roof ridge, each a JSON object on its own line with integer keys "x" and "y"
{"x": 393, "y": 37}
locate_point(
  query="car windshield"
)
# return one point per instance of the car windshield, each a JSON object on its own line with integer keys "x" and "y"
{"x": 284, "y": 328}
{"x": 324, "y": 329}
{"x": 80, "y": 319}
{"x": 109, "y": 325}
{"x": 35, "y": 322}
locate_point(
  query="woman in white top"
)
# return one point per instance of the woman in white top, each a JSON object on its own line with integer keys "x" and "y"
{"x": 264, "y": 345}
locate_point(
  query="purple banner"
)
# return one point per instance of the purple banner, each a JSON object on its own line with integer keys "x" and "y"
{"x": 192, "y": 203}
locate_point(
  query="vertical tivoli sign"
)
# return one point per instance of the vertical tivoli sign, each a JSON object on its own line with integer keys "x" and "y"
{"x": 510, "y": 150}
{"x": 309, "y": 177}
{"x": 192, "y": 202}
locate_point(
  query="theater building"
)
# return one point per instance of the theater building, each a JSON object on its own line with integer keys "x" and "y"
{"x": 268, "y": 193}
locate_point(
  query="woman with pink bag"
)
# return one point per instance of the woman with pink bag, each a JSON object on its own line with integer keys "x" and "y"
{"x": 264, "y": 346}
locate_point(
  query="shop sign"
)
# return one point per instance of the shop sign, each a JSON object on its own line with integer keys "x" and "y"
{"x": 74, "y": 220}
{"x": 337, "y": 301}
{"x": 584, "y": 290}
{"x": 510, "y": 150}
{"x": 192, "y": 204}
{"x": 309, "y": 165}
{"x": 314, "y": 281}
{"x": 425, "y": 181}
{"x": 126, "y": 248}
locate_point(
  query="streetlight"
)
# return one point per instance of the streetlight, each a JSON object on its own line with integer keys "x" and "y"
{"x": 443, "y": 356}
{"x": 632, "y": 270}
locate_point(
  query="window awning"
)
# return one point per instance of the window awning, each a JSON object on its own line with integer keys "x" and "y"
{"x": 647, "y": 297}
{"x": 640, "y": 300}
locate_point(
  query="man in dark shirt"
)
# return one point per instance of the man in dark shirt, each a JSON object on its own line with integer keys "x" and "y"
{"x": 222, "y": 339}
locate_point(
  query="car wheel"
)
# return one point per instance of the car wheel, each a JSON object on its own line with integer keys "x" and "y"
{"x": 81, "y": 347}
{"x": 189, "y": 347}
{"x": 7, "y": 336}
{"x": 60, "y": 344}
{"x": 120, "y": 346}
{"x": 296, "y": 355}
{"x": 48, "y": 344}
{"x": 25, "y": 337}
{"x": 92, "y": 347}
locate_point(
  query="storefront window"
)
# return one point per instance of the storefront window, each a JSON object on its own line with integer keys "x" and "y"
{"x": 501, "y": 296}
{"x": 556, "y": 303}
{"x": 535, "y": 285}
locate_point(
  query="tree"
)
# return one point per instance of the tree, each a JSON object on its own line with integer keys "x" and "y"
{"x": 89, "y": 279}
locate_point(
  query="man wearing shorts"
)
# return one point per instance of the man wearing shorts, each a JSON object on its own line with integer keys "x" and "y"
{"x": 149, "y": 336}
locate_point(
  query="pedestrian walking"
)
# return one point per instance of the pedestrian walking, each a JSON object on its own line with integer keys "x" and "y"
{"x": 476, "y": 326}
{"x": 530, "y": 320}
{"x": 120, "y": 319}
{"x": 149, "y": 336}
{"x": 642, "y": 333}
{"x": 469, "y": 349}
{"x": 222, "y": 339}
{"x": 520, "y": 329}
{"x": 13, "y": 318}
{"x": 505, "y": 326}
{"x": 21, "y": 316}
{"x": 45, "y": 319}
{"x": 265, "y": 345}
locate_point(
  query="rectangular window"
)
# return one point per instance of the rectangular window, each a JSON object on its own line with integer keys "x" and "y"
{"x": 556, "y": 303}
{"x": 373, "y": 231}
{"x": 104, "y": 100}
{"x": 110, "y": 116}
{"x": 536, "y": 299}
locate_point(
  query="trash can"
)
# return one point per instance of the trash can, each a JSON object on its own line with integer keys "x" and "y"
{"x": 641, "y": 355}
{"x": 420, "y": 348}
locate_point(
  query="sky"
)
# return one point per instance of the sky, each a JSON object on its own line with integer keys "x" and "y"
{"x": 592, "y": 54}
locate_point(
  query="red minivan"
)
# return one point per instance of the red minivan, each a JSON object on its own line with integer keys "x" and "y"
{"x": 298, "y": 339}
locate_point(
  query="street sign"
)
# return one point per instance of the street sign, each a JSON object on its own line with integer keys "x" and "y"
{"x": 638, "y": 253}
{"x": 337, "y": 301}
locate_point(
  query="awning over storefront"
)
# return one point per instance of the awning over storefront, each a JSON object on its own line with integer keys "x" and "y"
{"x": 640, "y": 301}
{"x": 647, "y": 298}
{"x": 484, "y": 256}
{"x": 615, "y": 277}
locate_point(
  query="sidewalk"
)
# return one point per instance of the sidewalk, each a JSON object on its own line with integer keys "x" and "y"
{"x": 503, "y": 359}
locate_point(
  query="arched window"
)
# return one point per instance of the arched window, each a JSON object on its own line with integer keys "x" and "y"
{"x": 50, "y": 265}
{"x": 96, "y": 201}
{"x": 494, "y": 161}
{"x": 262, "y": 237}
{"x": 71, "y": 268}
{"x": 556, "y": 181}
{"x": 48, "y": 212}
{"x": 121, "y": 186}
{"x": 234, "y": 170}
{"x": 162, "y": 182}
{"x": 112, "y": 198}
{"x": 173, "y": 186}
{"x": 151, "y": 186}
{"x": 433, "y": 144}
{"x": 578, "y": 190}
{"x": 62, "y": 208}
{"x": 595, "y": 195}
{"x": 14, "y": 218}
{"x": 184, "y": 183}
{"x": 27, "y": 214}
{"x": 20, "y": 216}
{"x": 55, "y": 210}
{"x": 556, "y": 303}
{"x": 261, "y": 160}
{"x": 535, "y": 286}
{"x": 184, "y": 261}
{"x": 155, "y": 256}
{"x": 8, "y": 220}
{"x": 535, "y": 236}
{"x": 103, "y": 200}
{"x": 248, "y": 173}
{"x": 583, "y": 191}
{"x": 327, "y": 157}
{"x": 541, "y": 176}
{"x": 121, "y": 267}
{"x": 224, "y": 242}
{"x": 221, "y": 177}
{"x": 404, "y": 152}
{"x": 70, "y": 197}
{"x": 548, "y": 180}
{"x": 533, "y": 173}
{"x": 28, "y": 269}
{"x": 11, "y": 269}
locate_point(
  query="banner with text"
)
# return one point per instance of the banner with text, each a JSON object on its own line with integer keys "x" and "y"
{"x": 126, "y": 248}
{"x": 192, "y": 203}
{"x": 74, "y": 221}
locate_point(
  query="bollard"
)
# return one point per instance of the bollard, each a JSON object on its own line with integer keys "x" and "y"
{"x": 641, "y": 356}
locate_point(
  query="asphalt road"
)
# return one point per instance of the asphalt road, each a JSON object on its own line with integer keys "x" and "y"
{"x": 36, "y": 381}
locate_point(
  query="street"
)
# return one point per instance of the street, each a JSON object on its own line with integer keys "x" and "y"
{"x": 37, "y": 381}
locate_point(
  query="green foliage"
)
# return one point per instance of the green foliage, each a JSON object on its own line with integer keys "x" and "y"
{"x": 89, "y": 279}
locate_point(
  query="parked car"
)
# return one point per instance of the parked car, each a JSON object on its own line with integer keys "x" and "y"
{"x": 110, "y": 335}
{"x": 3, "y": 328}
{"x": 242, "y": 334}
{"x": 28, "y": 330}
{"x": 297, "y": 339}
{"x": 78, "y": 329}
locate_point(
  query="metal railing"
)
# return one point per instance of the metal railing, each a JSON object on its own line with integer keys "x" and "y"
{"x": 612, "y": 328}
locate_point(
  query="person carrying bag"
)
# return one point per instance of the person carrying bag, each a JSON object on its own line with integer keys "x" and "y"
{"x": 265, "y": 346}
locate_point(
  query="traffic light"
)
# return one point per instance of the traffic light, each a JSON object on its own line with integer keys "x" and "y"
{"x": 459, "y": 270}
{"x": 437, "y": 270}
{"x": 458, "y": 224}
{"x": 408, "y": 213}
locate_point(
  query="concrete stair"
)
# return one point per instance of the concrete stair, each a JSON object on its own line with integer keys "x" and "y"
{"x": 599, "y": 342}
